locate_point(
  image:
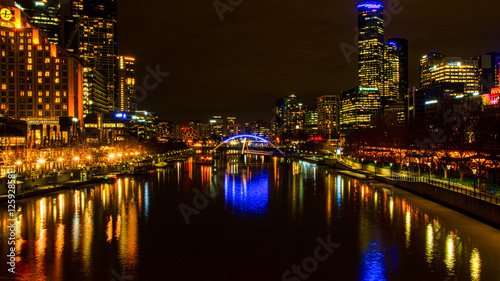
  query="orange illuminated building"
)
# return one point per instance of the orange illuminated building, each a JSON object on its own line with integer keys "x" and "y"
{"x": 39, "y": 83}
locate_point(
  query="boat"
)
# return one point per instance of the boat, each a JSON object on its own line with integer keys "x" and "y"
{"x": 142, "y": 168}
{"x": 205, "y": 160}
{"x": 162, "y": 165}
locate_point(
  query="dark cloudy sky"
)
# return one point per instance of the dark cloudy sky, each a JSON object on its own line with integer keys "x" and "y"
{"x": 267, "y": 49}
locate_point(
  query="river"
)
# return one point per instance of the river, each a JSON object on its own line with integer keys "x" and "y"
{"x": 245, "y": 218}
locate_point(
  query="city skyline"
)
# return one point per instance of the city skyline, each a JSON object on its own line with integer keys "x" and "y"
{"x": 249, "y": 60}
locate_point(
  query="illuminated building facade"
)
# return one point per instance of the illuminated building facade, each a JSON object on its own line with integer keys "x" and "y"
{"x": 38, "y": 83}
{"x": 489, "y": 72}
{"x": 216, "y": 127}
{"x": 46, "y": 16}
{"x": 371, "y": 44}
{"x": 380, "y": 67}
{"x": 289, "y": 115}
{"x": 311, "y": 121}
{"x": 401, "y": 46}
{"x": 165, "y": 130}
{"x": 126, "y": 84}
{"x": 329, "y": 116}
{"x": 436, "y": 69}
{"x": 90, "y": 32}
{"x": 95, "y": 91}
{"x": 231, "y": 127}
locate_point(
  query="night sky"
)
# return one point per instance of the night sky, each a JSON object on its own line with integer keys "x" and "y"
{"x": 264, "y": 50}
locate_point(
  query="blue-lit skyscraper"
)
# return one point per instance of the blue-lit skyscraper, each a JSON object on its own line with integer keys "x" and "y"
{"x": 379, "y": 79}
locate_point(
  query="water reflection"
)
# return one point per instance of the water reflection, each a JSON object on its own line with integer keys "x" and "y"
{"x": 95, "y": 230}
{"x": 247, "y": 193}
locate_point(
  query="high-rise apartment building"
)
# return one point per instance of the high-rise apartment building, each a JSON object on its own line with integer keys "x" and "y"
{"x": 90, "y": 32}
{"x": 329, "y": 116}
{"x": 435, "y": 69}
{"x": 289, "y": 115}
{"x": 126, "y": 84}
{"x": 401, "y": 46}
{"x": 95, "y": 91}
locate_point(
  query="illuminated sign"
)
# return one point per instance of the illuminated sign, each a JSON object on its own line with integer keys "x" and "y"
{"x": 431, "y": 102}
{"x": 368, "y": 89}
{"x": 6, "y": 14}
{"x": 121, "y": 115}
{"x": 371, "y": 5}
{"x": 394, "y": 45}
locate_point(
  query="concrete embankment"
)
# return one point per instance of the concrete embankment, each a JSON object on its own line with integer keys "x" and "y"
{"x": 474, "y": 207}
{"x": 4, "y": 198}
{"x": 486, "y": 209}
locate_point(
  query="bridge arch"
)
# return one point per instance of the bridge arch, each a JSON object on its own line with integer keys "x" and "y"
{"x": 246, "y": 136}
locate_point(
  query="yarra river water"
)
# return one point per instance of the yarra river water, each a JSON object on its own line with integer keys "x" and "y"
{"x": 251, "y": 219}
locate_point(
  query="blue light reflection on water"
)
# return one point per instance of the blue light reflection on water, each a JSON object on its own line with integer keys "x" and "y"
{"x": 247, "y": 195}
{"x": 373, "y": 267}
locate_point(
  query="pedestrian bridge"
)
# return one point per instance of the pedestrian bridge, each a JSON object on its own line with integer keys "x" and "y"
{"x": 247, "y": 142}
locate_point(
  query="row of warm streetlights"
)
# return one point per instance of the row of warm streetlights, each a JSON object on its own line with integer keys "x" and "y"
{"x": 430, "y": 171}
{"x": 42, "y": 161}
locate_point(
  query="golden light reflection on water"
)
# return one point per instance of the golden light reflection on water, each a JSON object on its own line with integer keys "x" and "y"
{"x": 408, "y": 228}
{"x": 429, "y": 243}
{"x": 52, "y": 228}
{"x": 475, "y": 265}
{"x": 449, "y": 258}
{"x": 70, "y": 224}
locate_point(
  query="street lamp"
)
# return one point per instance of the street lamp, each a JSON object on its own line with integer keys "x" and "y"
{"x": 449, "y": 174}
{"x": 391, "y": 169}
{"x": 18, "y": 163}
{"x": 375, "y": 167}
{"x": 408, "y": 169}
{"x": 474, "y": 180}
{"x": 429, "y": 164}
{"x": 362, "y": 164}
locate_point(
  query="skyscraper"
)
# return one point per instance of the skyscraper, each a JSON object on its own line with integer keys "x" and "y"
{"x": 401, "y": 46}
{"x": 90, "y": 32}
{"x": 435, "y": 69}
{"x": 46, "y": 16}
{"x": 381, "y": 75}
{"x": 289, "y": 115}
{"x": 126, "y": 84}
{"x": 489, "y": 71}
{"x": 95, "y": 91}
{"x": 370, "y": 44}
{"x": 329, "y": 116}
